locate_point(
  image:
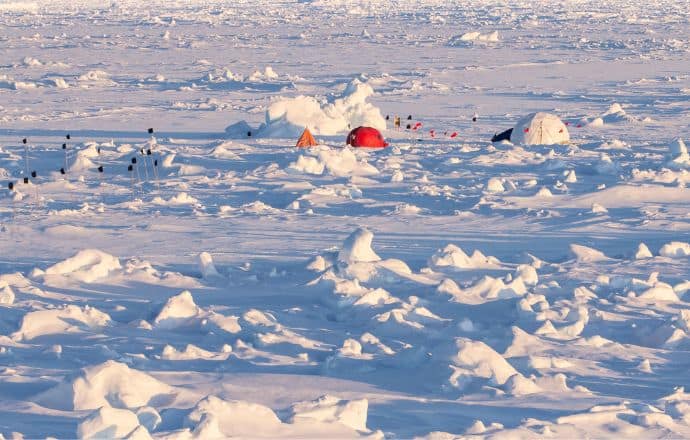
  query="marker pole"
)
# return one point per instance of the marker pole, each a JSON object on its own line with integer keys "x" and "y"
{"x": 136, "y": 167}
{"x": 146, "y": 165}
{"x": 130, "y": 168}
{"x": 26, "y": 156}
{"x": 100, "y": 183}
{"x": 149, "y": 152}
{"x": 155, "y": 172}
{"x": 34, "y": 181}
{"x": 10, "y": 187}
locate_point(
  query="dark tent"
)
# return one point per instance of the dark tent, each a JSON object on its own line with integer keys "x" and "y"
{"x": 503, "y": 136}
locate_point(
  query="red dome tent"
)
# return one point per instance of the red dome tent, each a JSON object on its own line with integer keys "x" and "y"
{"x": 366, "y": 137}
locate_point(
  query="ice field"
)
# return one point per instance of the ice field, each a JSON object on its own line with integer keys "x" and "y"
{"x": 443, "y": 287}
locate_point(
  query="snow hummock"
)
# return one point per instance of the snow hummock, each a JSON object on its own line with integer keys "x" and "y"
{"x": 206, "y": 266}
{"x": 495, "y": 185}
{"x": 489, "y": 37}
{"x": 454, "y": 256}
{"x": 288, "y": 117}
{"x": 325, "y": 417}
{"x": 335, "y": 161}
{"x": 66, "y": 319}
{"x": 678, "y": 154}
{"x": 357, "y": 247}
{"x": 213, "y": 417}
{"x": 475, "y": 359}
{"x": 331, "y": 409}
{"x": 87, "y": 265}
{"x": 587, "y": 254}
{"x": 177, "y": 311}
{"x": 675, "y": 249}
{"x": 110, "y": 384}
{"x": 643, "y": 252}
{"x": 107, "y": 422}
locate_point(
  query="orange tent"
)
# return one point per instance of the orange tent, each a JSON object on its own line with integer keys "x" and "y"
{"x": 306, "y": 140}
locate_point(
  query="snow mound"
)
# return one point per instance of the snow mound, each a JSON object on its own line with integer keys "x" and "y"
{"x": 87, "y": 265}
{"x": 222, "y": 152}
{"x": 488, "y": 288}
{"x": 177, "y": 311}
{"x": 177, "y": 200}
{"x": 469, "y": 37}
{"x": 586, "y": 254}
{"x": 180, "y": 312}
{"x": 288, "y": 117}
{"x": 109, "y": 422}
{"x": 475, "y": 359}
{"x": 7, "y": 295}
{"x": 675, "y": 249}
{"x": 67, "y": 319}
{"x": 331, "y": 409}
{"x": 192, "y": 352}
{"x": 519, "y": 385}
{"x": 340, "y": 162}
{"x": 325, "y": 417}
{"x": 308, "y": 165}
{"x": 206, "y": 266}
{"x": 578, "y": 319}
{"x": 678, "y": 156}
{"x": 615, "y": 113}
{"x": 213, "y": 417}
{"x": 494, "y": 185}
{"x": 643, "y": 252}
{"x": 357, "y": 248}
{"x": 96, "y": 78}
{"x": 454, "y": 256}
{"x": 110, "y": 384}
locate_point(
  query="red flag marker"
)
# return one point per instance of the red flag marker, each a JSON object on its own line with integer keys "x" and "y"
{"x": 455, "y": 133}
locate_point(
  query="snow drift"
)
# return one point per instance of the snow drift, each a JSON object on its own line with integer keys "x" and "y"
{"x": 288, "y": 117}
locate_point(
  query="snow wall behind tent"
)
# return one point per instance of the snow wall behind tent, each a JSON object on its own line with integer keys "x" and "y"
{"x": 287, "y": 117}
{"x": 540, "y": 129}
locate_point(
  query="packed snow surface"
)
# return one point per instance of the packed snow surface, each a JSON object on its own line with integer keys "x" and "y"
{"x": 210, "y": 280}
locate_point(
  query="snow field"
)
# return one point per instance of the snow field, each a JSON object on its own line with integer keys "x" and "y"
{"x": 231, "y": 285}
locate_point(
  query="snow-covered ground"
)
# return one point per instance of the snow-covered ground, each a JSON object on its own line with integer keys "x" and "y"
{"x": 232, "y": 285}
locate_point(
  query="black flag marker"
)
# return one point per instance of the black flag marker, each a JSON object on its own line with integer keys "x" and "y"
{"x": 64, "y": 146}
{"x": 68, "y": 136}
{"x": 150, "y": 130}
{"x": 33, "y": 174}
{"x": 249, "y": 134}
{"x": 141, "y": 150}
{"x": 62, "y": 171}
{"x": 474, "y": 119}
{"x": 408, "y": 126}
{"x": 24, "y": 141}
{"x": 100, "y": 169}
{"x": 98, "y": 150}
{"x": 155, "y": 162}
{"x": 388, "y": 117}
{"x": 409, "y": 118}
{"x": 129, "y": 168}
{"x": 134, "y": 160}
{"x": 148, "y": 152}
{"x": 10, "y": 186}
{"x": 26, "y": 180}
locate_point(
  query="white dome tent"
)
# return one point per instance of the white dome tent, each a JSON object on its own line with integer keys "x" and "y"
{"x": 540, "y": 129}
